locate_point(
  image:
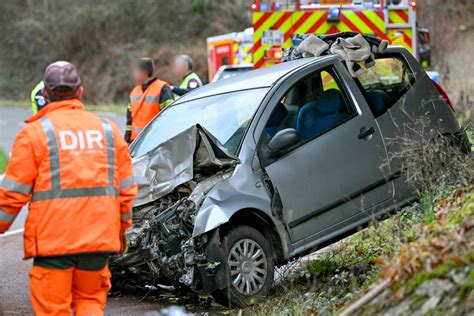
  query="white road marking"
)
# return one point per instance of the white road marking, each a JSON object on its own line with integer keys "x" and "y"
{"x": 2, "y": 122}
{"x": 13, "y": 232}
{"x": 107, "y": 114}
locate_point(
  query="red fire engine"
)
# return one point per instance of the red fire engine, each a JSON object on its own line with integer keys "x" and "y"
{"x": 274, "y": 23}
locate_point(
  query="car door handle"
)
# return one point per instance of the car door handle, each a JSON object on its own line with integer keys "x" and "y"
{"x": 365, "y": 132}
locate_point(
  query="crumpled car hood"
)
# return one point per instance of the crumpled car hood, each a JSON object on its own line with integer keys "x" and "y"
{"x": 173, "y": 163}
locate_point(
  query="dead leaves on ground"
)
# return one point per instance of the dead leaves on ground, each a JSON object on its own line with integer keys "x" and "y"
{"x": 438, "y": 242}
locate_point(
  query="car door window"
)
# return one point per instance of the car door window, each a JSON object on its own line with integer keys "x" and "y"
{"x": 313, "y": 106}
{"x": 385, "y": 83}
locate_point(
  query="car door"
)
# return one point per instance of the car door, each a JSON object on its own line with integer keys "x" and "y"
{"x": 404, "y": 102}
{"x": 339, "y": 168}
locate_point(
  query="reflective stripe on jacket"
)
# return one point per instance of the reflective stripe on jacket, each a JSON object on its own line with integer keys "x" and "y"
{"x": 144, "y": 105}
{"x": 77, "y": 172}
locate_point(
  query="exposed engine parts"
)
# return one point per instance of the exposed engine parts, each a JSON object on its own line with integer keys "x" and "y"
{"x": 161, "y": 247}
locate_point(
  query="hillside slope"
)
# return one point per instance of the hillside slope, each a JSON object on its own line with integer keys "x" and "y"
{"x": 102, "y": 37}
{"x": 418, "y": 262}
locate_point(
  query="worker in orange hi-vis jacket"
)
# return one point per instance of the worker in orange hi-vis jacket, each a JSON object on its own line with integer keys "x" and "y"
{"x": 75, "y": 170}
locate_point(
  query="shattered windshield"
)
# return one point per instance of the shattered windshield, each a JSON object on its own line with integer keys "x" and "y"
{"x": 224, "y": 116}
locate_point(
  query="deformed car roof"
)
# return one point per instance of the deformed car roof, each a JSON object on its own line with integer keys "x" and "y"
{"x": 264, "y": 77}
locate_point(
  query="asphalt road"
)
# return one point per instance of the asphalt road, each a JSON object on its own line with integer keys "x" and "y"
{"x": 14, "y": 288}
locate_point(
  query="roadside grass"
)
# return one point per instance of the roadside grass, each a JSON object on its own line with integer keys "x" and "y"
{"x": 106, "y": 108}
{"x": 396, "y": 266}
{"x": 3, "y": 160}
{"x": 343, "y": 271}
{"x": 14, "y": 103}
{"x": 425, "y": 237}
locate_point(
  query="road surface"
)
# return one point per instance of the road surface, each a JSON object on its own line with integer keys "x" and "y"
{"x": 14, "y": 289}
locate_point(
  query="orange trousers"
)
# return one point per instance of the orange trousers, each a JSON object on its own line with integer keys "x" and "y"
{"x": 58, "y": 291}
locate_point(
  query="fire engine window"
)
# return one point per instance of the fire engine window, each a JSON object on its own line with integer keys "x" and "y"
{"x": 385, "y": 83}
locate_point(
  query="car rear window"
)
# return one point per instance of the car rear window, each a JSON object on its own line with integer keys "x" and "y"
{"x": 386, "y": 82}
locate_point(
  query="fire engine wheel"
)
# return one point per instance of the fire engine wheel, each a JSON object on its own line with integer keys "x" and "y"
{"x": 250, "y": 267}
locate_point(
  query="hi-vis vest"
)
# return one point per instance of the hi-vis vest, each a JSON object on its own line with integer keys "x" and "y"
{"x": 76, "y": 171}
{"x": 144, "y": 105}
{"x": 37, "y": 100}
{"x": 191, "y": 76}
{"x": 184, "y": 84}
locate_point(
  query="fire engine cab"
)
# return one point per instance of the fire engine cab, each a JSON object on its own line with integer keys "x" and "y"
{"x": 274, "y": 23}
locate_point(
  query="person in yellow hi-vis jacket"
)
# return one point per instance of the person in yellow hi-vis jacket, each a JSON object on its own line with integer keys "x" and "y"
{"x": 38, "y": 101}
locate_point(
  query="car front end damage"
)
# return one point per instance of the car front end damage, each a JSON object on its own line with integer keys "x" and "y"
{"x": 162, "y": 248}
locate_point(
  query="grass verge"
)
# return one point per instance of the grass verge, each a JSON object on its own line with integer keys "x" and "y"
{"x": 426, "y": 246}
{"x": 3, "y": 160}
{"x": 111, "y": 108}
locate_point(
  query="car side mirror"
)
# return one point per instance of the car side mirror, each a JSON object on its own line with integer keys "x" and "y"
{"x": 283, "y": 139}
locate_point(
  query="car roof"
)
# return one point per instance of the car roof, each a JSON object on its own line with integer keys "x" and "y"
{"x": 260, "y": 78}
{"x": 263, "y": 77}
{"x": 238, "y": 66}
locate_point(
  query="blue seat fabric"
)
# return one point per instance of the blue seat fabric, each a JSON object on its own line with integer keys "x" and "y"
{"x": 320, "y": 115}
{"x": 378, "y": 99}
{"x": 276, "y": 119}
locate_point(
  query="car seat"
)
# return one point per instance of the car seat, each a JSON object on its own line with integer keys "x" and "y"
{"x": 297, "y": 95}
{"x": 318, "y": 116}
{"x": 378, "y": 99}
{"x": 276, "y": 120}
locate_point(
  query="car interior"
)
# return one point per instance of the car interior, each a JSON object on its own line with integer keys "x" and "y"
{"x": 313, "y": 106}
{"x": 385, "y": 83}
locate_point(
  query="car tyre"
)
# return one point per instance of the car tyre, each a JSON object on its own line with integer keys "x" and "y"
{"x": 250, "y": 267}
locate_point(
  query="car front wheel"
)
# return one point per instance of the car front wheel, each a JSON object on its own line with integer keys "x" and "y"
{"x": 249, "y": 264}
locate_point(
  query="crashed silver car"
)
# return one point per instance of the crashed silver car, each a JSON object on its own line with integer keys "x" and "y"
{"x": 243, "y": 175}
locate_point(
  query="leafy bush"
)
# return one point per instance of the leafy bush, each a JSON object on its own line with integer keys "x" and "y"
{"x": 102, "y": 37}
{"x": 3, "y": 160}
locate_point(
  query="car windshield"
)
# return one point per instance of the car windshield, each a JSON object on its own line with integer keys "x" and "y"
{"x": 225, "y": 116}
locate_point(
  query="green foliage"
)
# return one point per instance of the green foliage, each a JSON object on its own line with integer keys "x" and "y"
{"x": 342, "y": 272}
{"x": 426, "y": 204}
{"x": 102, "y": 37}
{"x": 467, "y": 210}
{"x": 439, "y": 272}
{"x": 3, "y": 160}
{"x": 467, "y": 287}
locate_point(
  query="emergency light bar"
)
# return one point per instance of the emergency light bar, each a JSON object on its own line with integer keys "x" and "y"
{"x": 279, "y": 5}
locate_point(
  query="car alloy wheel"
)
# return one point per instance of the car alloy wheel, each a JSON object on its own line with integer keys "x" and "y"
{"x": 248, "y": 266}
{"x": 249, "y": 263}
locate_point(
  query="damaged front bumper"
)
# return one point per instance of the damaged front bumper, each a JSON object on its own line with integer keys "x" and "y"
{"x": 162, "y": 246}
